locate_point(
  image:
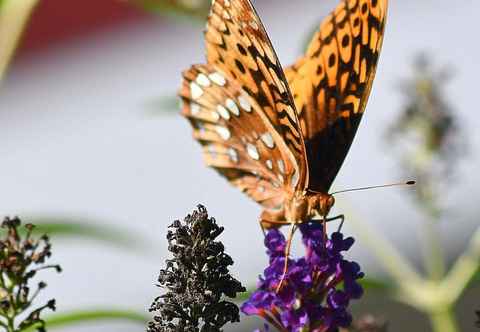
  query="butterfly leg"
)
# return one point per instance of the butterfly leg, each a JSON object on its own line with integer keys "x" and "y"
{"x": 340, "y": 217}
{"x": 325, "y": 220}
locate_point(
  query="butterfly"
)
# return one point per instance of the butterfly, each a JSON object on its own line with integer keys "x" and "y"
{"x": 281, "y": 135}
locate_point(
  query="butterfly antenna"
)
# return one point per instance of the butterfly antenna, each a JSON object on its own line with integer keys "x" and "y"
{"x": 408, "y": 183}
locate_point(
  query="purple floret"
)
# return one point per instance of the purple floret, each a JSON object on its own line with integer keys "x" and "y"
{"x": 316, "y": 289}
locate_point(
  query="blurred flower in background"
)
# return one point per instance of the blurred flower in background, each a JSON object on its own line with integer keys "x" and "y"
{"x": 427, "y": 135}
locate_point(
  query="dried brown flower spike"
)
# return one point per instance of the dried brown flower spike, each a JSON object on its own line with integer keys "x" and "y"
{"x": 196, "y": 279}
{"x": 21, "y": 257}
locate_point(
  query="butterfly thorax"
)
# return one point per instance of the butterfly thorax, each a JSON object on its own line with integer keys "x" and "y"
{"x": 308, "y": 205}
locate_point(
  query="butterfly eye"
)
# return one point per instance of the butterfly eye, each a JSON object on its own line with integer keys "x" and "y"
{"x": 330, "y": 201}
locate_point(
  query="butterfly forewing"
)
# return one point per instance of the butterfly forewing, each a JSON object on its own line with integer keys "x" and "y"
{"x": 237, "y": 138}
{"x": 332, "y": 82}
{"x": 238, "y": 45}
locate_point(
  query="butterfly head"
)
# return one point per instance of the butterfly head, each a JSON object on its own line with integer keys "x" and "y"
{"x": 309, "y": 205}
{"x": 320, "y": 204}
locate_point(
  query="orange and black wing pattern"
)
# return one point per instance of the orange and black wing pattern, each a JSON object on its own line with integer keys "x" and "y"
{"x": 331, "y": 84}
{"x": 241, "y": 109}
{"x": 238, "y": 46}
{"x": 237, "y": 139}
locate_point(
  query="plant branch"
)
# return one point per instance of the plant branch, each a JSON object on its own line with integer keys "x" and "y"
{"x": 433, "y": 255}
{"x": 464, "y": 269}
{"x": 443, "y": 321}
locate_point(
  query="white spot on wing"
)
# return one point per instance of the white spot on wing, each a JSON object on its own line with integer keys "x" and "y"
{"x": 203, "y": 80}
{"x": 195, "y": 90}
{"x": 268, "y": 140}
{"x": 269, "y": 164}
{"x": 245, "y": 104}
{"x": 215, "y": 116}
{"x": 217, "y": 78}
{"x": 252, "y": 151}
{"x": 194, "y": 108}
{"x": 254, "y": 25}
{"x": 223, "y": 132}
{"x": 223, "y": 112}
{"x": 295, "y": 178}
{"x": 290, "y": 112}
{"x": 232, "y": 106}
{"x": 281, "y": 166}
{"x": 232, "y": 153}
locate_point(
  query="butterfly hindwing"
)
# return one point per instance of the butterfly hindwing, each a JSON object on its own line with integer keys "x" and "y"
{"x": 237, "y": 138}
{"x": 332, "y": 81}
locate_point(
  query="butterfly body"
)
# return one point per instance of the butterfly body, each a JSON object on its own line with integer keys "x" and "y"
{"x": 281, "y": 135}
{"x": 298, "y": 208}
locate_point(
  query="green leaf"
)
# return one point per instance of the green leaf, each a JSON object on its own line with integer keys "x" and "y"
{"x": 67, "y": 228}
{"x": 88, "y": 316}
{"x": 197, "y": 11}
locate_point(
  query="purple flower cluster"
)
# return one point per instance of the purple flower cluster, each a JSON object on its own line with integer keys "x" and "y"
{"x": 316, "y": 289}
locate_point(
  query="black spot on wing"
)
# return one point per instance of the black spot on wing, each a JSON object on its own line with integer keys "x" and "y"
{"x": 327, "y": 150}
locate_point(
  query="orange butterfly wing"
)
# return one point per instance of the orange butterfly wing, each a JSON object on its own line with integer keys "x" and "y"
{"x": 237, "y": 138}
{"x": 242, "y": 111}
{"x": 331, "y": 84}
{"x": 238, "y": 45}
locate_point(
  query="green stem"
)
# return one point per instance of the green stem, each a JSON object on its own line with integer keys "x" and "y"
{"x": 14, "y": 14}
{"x": 464, "y": 269}
{"x": 10, "y": 323}
{"x": 444, "y": 321}
{"x": 432, "y": 250}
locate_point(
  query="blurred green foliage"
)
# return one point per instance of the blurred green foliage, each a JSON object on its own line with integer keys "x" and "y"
{"x": 79, "y": 317}
{"x": 427, "y": 135}
{"x": 183, "y": 9}
{"x": 83, "y": 228}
